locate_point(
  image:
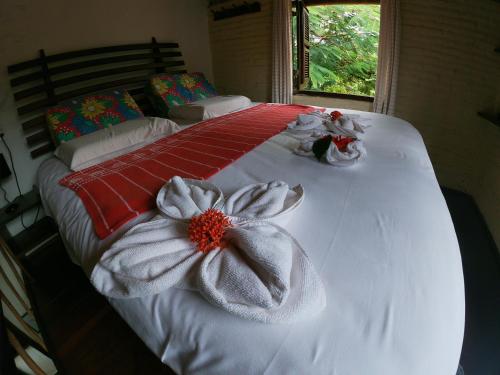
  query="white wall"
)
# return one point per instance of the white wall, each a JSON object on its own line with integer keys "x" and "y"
{"x": 61, "y": 25}
{"x": 448, "y": 72}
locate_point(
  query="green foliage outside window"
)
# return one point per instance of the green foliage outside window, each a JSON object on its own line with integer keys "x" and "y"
{"x": 343, "y": 48}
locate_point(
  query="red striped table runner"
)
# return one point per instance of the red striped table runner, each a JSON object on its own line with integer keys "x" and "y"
{"x": 120, "y": 189}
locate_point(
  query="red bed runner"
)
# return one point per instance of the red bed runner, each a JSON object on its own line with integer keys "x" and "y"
{"x": 120, "y": 189}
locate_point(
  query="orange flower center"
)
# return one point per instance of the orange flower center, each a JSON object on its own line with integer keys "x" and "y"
{"x": 335, "y": 115}
{"x": 207, "y": 229}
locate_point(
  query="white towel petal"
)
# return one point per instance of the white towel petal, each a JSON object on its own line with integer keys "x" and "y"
{"x": 347, "y": 125}
{"x": 264, "y": 276}
{"x": 253, "y": 270}
{"x": 358, "y": 126}
{"x": 305, "y": 122}
{"x": 148, "y": 259}
{"x": 355, "y": 151}
{"x": 264, "y": 201}
{"x": 336, "y": 128}
{"x": 182, "y": 199}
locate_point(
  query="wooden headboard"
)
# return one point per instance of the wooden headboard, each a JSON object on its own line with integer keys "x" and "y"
{"x": 45, "y": 81}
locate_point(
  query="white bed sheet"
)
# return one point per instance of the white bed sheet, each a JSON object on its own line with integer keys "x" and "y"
{"x": 379, "y": 234}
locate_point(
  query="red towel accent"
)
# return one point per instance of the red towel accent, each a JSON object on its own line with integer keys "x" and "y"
{"x": 120, "y": 189}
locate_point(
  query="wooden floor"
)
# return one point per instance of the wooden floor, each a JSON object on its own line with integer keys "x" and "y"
{"x": 86, "y": 334}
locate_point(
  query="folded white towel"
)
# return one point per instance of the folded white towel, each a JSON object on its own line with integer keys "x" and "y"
{"x": 319, "y": 123}
{"x": 346, "y": 125}
{"x": 259, "y": 272}
{"x": 354, "y": 152}
{"x": 306, "y": 122}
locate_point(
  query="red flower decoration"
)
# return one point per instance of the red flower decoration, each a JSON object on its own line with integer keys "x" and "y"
{"x": 335, "y": 115}
{"x": 341, "y": 142}
{"x": 207, "y": 229}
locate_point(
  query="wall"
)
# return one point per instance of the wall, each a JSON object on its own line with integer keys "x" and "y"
{"x": 61, "y": 25}
{"x": 448, "y": 71}
{"x": 241, "y": 50}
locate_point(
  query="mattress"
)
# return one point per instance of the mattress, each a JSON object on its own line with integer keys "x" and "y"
{"x": 380, "y": 236}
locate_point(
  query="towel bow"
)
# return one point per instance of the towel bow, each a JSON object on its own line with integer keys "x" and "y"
{"x": 333, "y": 155}
{"x": 239, "y": 258}
{"x": 318, "y": 123}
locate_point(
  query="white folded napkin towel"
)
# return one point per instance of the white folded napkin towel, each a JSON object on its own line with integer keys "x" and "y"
{"x": 318, "y": 122}
{"x": 306, "y": 122}
{"x": 346, "y": 125}
{"x": 258, "y": 272}
{"x": 355, "y": 151}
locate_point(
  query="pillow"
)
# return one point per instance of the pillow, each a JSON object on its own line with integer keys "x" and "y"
{"x": 208, "y": 108}
{"x": 84, "y": 115}
{"x": 166, "y": 91}
{"x": 108, "y": 143}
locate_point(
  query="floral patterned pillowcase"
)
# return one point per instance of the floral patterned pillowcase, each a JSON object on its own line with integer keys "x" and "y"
{"x": 168, "y": 90}
{"x": 84, "y": 115}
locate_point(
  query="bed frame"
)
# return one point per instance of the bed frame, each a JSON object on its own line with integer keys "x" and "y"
{"x": 49, "y": 79}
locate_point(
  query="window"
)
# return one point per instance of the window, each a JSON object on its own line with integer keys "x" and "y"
{"x": 335, "y": 47}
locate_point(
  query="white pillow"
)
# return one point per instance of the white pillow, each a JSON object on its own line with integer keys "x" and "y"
{"x": 211, "y": 107}
{"x": 105, "y": 144}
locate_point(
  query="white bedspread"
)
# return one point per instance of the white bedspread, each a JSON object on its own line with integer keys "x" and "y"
{"x": 378, "y": 233}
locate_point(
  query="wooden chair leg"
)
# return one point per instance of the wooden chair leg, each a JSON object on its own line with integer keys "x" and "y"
{"x": 15, "y": 292}
{"x": 24, "y": 355}
{"x": 29, "y": 330}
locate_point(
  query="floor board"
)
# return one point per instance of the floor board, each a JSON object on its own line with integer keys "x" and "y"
{"x": 87, "y": 335}
{"x": 481, "y": 266}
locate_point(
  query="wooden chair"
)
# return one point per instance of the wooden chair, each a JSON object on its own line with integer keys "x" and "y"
{"x": 14, "y": 297}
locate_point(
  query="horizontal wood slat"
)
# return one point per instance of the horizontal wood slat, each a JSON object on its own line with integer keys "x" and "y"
{"x": 111, "y": 60}
{"x": 97, "y": 74}
{"x": 75, "y": 93}
{"x": 40, "y": 85}
{"x": 34, "y": 123}
{"x": 42, "y": 150}
{"x": 38, "y": 138}
{"x": 87, "y": 52}
{"x": 90, "y": 63}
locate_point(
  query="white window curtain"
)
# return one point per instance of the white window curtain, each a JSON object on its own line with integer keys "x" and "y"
{"x": 388, "y": 57}
{"x": 282, "y": 52}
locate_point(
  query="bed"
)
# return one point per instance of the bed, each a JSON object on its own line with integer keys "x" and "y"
{"x": 379, "y": 234}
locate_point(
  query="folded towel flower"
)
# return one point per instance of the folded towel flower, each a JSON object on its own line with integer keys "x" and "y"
{"x": 346, "y": 125}
{"x": 319, "y": 123}
{"x": 307, "y": 122}
{"x": 339, "y": 151}
{"x": 232, "y": 251}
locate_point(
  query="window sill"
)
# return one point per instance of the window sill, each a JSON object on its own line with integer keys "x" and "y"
{"x": 360, "y": 98}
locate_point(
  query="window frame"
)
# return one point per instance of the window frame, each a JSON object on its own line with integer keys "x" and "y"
{"x": 296, "y": 87}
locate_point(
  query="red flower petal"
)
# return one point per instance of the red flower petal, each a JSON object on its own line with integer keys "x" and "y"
{"x": 335, "y": 115}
